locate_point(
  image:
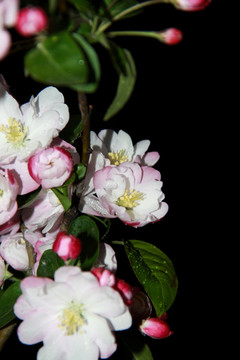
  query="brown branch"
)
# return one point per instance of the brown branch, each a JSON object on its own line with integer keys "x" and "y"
{"x": 84, "y": 109}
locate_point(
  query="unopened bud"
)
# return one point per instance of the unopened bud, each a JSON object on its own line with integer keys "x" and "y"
{"x": 171, "y": 36}
{"x": 191, "y": 5}
{"x": 31, "y": 20}
{"x": 67, "y": 246}
{"x": 156, "y": 328}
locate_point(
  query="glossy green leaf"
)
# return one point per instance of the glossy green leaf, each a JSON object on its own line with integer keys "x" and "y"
{"x": 155, "y": 271}
{"x": 93, "y": 64}
{"x": 60, "y": 61}
{"x": 84, "y": 228}
{"x": 7, "y": 301}
{"x": 127, "y": 78}
{"x": 49, "y": 263}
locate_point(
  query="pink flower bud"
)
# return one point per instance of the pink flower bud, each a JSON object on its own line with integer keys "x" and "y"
{"x": 67, "y": 246}
{"x": 156, "y": 328}
{"x": 50, "y": 167}
{"x": 105, "y": 277}
{"x": 31, "y": 21}
{"x": 191, "y": 5}
{"x": 171, "y": 36}
{"x": 125, "y": 290}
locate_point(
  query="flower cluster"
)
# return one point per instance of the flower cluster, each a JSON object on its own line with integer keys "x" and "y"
{"x": 30, "y": 162}
{"x": 121, "y": 181}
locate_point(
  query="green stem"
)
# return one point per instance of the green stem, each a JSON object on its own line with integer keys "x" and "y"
{"x": 148, "y": 34}
{"x": 118, "y": 242}
{"x": 129, "y": 11}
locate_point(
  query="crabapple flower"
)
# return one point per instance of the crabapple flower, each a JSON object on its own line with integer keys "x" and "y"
{"x": 191, "y": 5}
{"x": 50, "y": 167}
{"x": 45, "y": 212}
{"x": 73, "y": 315}
{"x": 13, "y": 249}
{"x": 129, "y": 191}
{"x": 20, "y": 126}
{"x": 67, "y": 246}
{"x": 118, "y": 148}
{"x": 31, "y": 21}
{"x": 11, "y": 226}
{"x": 171, "y": 36}
{"x": 156, "y": 328}
{"x": 8, "y": 195}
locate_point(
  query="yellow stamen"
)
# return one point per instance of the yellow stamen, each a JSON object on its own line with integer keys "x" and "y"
{"x": 72, "y": 319}
{"x": 129, "y": 199}
{"x": 118, "y": 158}
{"x": 1, "y": 192}
{"x": 15, "y": 132}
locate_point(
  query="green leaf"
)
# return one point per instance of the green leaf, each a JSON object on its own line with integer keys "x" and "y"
{"x": 64, "y": 199}
{"x": 80, "y": 171}
{"x": 7, "y": 301}
{"x": 155, "y": 271}
{"x": 119, "y": 6}
{"x": 84, "y": 6}
{"x": 49, "y": 263}
{"x": 84, "y": 228}
{"x": 93, "y": 64}
{"x": 60, "y": 61}
{"x": 134, "y": 346}
{"x": 73, "y": 129}
{"x": 127, "y": 78}
{"x": 25, "y": 200}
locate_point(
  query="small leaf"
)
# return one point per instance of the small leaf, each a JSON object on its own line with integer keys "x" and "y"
{"x": 118, "y": 7}
{"x": 126, "y": 82}
{"x": 80, "y": 171}
{"x": 134, "y": 345}
{"x": 84, "y": 228}
{"x": 155, "y": 271}
{"x": 49, "y": 263}
{"x": 73, "y": 129}
{"x": 63, "y": 198}
{"x": 7, "y": 301}
{"x": 26, "y": 200}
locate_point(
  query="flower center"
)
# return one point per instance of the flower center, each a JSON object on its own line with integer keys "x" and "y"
{"x": 129, "y": 199}
{"x": 71, "y": 319}
{"x": 118, "y": 158}
{"x": 15, "y": 132}
{"x": 1, "y": 192}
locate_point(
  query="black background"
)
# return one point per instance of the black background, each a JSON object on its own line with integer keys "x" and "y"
{"x": 176, "y": 105}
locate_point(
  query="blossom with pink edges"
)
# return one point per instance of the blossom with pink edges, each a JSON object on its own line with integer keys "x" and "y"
{"x": 8, "y": 196}
{"x": 31, "y": 20}
{"x": 118, "y": 148}
{"x": 67, "y": 246}
{"x": 50, "y": 167}
{"x": 191, "y": 5}
{"x": 129, "y": 191}
{"x": 71, "y": 315}
{"x": 44, "y": 213}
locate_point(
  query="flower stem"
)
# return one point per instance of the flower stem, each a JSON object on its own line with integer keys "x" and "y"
{"x": 84, "y": 109}
{"x": 151, "y": 34}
